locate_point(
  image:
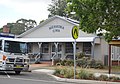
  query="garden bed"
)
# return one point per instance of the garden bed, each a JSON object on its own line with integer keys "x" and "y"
{"x": 64, "y": 72}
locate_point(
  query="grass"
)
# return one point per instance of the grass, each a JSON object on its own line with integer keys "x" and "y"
{"x": 113, "y": 68}
{"x": 116, "y": 68}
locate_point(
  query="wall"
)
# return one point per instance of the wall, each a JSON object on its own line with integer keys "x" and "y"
{"x": 101, "y": 50}
{"x": 105, "y": 49}
{"x": 57, "y": 28}
{"x": 97, "y": 52}
{"x": 48, "y": 31}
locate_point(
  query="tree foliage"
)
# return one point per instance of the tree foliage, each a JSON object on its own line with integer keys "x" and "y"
{"x": 97, "y": 16}
{"x": 21, "y": 26}
{"x": 57, "y": 7}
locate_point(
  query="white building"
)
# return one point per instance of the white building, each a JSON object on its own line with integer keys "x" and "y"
{"x": 53, "y": 36}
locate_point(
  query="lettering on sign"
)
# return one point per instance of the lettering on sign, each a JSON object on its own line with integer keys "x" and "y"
{"x": 56, "y": 28}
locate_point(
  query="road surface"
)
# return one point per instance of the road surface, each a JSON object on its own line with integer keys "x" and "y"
{"x": 28, "y": 78}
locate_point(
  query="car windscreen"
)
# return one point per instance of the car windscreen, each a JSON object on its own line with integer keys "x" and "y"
{"x": 15, "y": 47}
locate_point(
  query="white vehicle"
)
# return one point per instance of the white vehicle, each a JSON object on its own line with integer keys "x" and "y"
{"x": 13, "y": 55}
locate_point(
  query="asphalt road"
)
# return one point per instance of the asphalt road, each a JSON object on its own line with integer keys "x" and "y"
{"x": 28, "y": 78}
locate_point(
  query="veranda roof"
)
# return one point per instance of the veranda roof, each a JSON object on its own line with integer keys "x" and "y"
{"x": 81, "y": 39}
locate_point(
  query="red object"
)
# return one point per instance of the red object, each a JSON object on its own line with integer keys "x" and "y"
{"x": 4, "y": 57}
{"x": 6, "y": 29}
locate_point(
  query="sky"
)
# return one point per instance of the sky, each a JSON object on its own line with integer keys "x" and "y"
{"x": 12, "y": 10}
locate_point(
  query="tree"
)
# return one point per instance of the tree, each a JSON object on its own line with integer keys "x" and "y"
{"x": 57, "y": 8}
{"x": 28, "y": 24}
{"x": 97, "y": 16}
{"x": 21, "y": 26}
{"x": 41, "y": 21}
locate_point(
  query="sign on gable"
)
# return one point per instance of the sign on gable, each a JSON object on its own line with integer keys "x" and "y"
{"x": 56, "y": 28}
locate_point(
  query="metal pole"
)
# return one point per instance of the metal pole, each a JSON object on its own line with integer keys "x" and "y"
{"x": 74, "y": 58}
{"x": 93, "y": 46}
{"x": 109, "y": 59}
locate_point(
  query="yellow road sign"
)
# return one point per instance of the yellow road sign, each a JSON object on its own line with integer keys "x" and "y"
{"x": 75, "y": 32}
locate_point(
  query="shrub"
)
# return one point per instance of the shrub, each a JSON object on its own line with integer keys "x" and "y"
{"x": 91, "y": 76}
{"x": 86, "y": 62}
{"x": 113, "y": 78}
{"x": 63, "y": 71}
{"x": 57, "y": 72}
{"x": 103, "y": 77}
{"x": 63, "y": 62}
{"x": 83, "y": 74}
{"x": 81, "y": 63}
{"x": 80, "y": 55}
{"x": 99, "y": 65}
{"x": 69, "y": 63}
{"x": 69, "y": 73}
{"x": 92, "y": 63}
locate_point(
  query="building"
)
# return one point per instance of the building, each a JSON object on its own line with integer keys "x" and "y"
{"x": 114, "y": 49}
{"x": 53, "y": 38}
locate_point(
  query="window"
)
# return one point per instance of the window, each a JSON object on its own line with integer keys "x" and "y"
{"x": 30, "y": 47}
{"x": 87, "y": 48}
{"x": 112, "y": 52}
{"x": 68, "y": 48}
{"x": 15, "y": 47}
{"x": 59, "y": 47}
{"x": 45, "y": 47}
{"x": 53, "y": 48}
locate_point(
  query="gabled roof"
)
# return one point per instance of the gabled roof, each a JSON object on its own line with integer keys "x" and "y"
{"x": 71, "y": 21}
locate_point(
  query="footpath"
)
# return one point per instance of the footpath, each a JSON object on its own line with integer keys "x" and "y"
{"x": 35, "y": 69}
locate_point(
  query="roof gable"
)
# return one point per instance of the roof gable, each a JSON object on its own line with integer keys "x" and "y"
{"x": 71, "y": 21}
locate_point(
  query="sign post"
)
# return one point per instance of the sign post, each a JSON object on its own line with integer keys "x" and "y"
{"x": 75, "y": 32}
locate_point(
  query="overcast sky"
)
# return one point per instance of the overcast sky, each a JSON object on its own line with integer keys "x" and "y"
{"x": 12, "y": 10}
